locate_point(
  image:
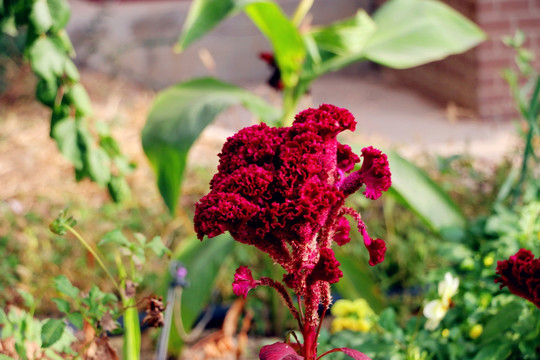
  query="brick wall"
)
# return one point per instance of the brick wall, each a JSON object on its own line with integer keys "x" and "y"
{"x": 473, "y": 79}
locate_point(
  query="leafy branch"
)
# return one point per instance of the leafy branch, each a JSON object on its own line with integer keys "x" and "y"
{"x": 49, "y": 50}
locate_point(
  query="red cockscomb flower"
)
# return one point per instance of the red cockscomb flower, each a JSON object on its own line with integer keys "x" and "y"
{"x": 521, "y": 274}
{"x": 283, "y": 190}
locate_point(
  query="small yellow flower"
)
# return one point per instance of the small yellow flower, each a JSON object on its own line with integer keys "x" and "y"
{"x": 337, "y": 325}
{"x": 362, "y": 308}
{"x": 476, "y": 331}
{"x": 445, "y": 333}
{"x": 342, "y": 308}
{"x": 362, "y": 325}
{"x": 488, "y": 261}
{"x": 352, "y": 315}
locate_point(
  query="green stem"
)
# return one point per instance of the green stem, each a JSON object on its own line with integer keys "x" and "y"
{"x": 290, "y": 101}
{"x": 95, "y": 255}
{"x": 301, "y": 11}
{"x": 526, "y": 153}
{"x": 132, "y": 331}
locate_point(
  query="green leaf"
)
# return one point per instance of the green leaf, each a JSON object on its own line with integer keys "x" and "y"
{"x": 76, "y": 319}
{"x": 8, "y": 26}
{"x": 3, "y": 319}
{"x": 388, "y": 320}
{"x": 71, "y": 70}
{"x": 118, "y": 188}
{"x": 99, "y": 165}
{"x": 64, "y": 286}
{"x": 157, "y": 246}
{"x": 115, "y": 237}
{"x": 40, "y": 16}
{"x": 65, "y": 133}
{"x": 51, "y": 332}
{"x": 502, "y": 321}
{"x": 178, "y": 116}
{"x": 59, "y": 10}
{"x": 414, "y": 32}
{"x": 5, "y": 357}
{"x": 78, "y": 96}
{"x": 494, "y": 351}
{"x": 62, "y": 305}
{"x": 338, "y": 44}
{"x": 46, "y": 91}
{"x": 203, "y": 262}
{"x": 356, "y": 281}
{"x": 27, "y": 297}
{"x": 203, "y": 16}
{"x": 422, "y": 195}
{"x": 47, "y": 58}
{"x": 289, "y": 49}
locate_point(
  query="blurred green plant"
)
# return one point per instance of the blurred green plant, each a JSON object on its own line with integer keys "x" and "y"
{"x": 525, "y": 88}
{"x": 181, "y": 112}
{"x": 481, "y": 321}
{"x": 49, "y": 50}
{"x": 100, "y": 309}
{"x": 23, "y": 336}
{"x": 302, "y": 54}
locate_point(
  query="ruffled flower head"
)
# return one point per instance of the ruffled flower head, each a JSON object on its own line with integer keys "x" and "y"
{"x": 283, "y": 191}
{"x": 243, "y": 281}
{"x": 521, "y": 274}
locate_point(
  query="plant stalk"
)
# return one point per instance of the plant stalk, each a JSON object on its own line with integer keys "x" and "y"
{"x": 95, "y": 255}
{"x": 301, "y": 11}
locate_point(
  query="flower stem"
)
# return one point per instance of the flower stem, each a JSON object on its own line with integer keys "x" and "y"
{"x": 320, "y": 323}
{"x": 95, "y": 255}
{"x": 301, "y": 11}
{"x": 300, "y": 309}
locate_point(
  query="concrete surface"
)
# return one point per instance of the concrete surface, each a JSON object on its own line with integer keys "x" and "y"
{"x": 390, "y": 116}
{"x": 135, "y": 40}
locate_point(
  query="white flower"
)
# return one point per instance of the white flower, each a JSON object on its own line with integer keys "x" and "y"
{"x": 436, "y": 310}
{"x": 448, "y": 287}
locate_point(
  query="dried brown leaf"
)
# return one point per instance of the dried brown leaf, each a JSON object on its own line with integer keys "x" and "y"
{"x": 107, "y": 322}
{"x": 131, "y": 289}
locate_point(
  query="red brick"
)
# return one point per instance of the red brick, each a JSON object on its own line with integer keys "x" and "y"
{"x": 531, "y": 22}
{"x": 514, "y": 6}
{"x": 496, "y": 24}
{"x": 487, "y": 7}
{"x": 496, "y": 63}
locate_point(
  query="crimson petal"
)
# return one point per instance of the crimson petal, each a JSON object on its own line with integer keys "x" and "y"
{"x": 355, "y": 354}
{"x": 279, "y": 351}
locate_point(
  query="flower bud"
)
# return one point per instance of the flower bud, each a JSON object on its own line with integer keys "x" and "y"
{"x": 476, "y": 331}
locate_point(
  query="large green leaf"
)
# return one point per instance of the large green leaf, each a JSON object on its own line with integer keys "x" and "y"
{"x": 64, "y": 132}
{"x": 179, "y": 115}
{"x": 289, "y": 49}
{"x": 338, "y": 45}
{"x": 203, "y": 16}
{"x": 51, "y": 332}
{"x": 356, "y": 281}
{"x": 502, "y": 321}
{"x": 59, "y": 10}
{"x": 414, "y": 32}
{"x": 47, "y": 57}
{"x": 416, "y": 190}
{"x": 47, "y": 14}
{"x": 286, "y": 41}
{"x": 40, "y": 16}
{"x": 203, "y": 262}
